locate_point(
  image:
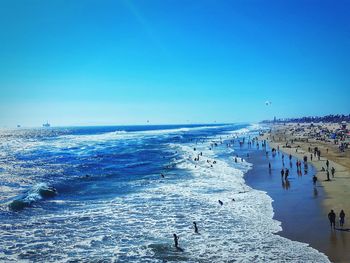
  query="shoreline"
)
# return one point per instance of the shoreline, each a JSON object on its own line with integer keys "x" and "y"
{"x": 292, "y": 204}
{"x": 335, "y": 244}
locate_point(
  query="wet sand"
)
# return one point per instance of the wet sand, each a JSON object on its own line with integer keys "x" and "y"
{"x": 337, "y": 191}
{"x": 299, "y": 207}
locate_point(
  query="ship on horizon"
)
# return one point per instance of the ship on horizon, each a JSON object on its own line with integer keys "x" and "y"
{"x": 46, "y": 125}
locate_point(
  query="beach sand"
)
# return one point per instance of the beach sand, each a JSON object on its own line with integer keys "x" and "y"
{"x": 335, "y": 244}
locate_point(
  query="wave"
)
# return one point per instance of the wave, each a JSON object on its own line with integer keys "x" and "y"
{"x": 36, "y": 193}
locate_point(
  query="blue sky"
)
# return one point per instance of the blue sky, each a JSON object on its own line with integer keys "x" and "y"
{"x": 126, "y": 62}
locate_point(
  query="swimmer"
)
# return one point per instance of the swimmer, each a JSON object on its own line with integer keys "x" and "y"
{"x": 220, "y": 202}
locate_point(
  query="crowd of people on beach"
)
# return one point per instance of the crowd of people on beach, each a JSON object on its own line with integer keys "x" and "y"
{"x": 313, "y": 138}
{"x": 285, "y": 172}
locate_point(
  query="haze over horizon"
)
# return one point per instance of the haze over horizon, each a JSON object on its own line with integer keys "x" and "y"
{"x": 127, "y": 62}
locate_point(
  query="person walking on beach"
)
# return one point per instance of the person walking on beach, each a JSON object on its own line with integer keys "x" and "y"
{"x": 286, "y": 174}
{"x": 342, "y": 218}
{"x": 314, "y": 179}
{"x": 327, "y": 163}
{"x": 331, "y": 217}
{"x": 333, "y": 171}
{"x": 328, "y": 179}
{"x": 282, "y": 173}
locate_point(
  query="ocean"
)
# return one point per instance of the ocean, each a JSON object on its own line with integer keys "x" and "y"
{"x": 119, "y": 193}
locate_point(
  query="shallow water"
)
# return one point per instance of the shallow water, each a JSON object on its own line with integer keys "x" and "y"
{"x": 112, "y": 205}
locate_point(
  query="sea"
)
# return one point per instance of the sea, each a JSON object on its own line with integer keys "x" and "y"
{"x": 120, "y": 193}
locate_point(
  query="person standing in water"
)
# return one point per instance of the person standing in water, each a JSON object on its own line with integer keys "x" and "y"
{"x": 195, "y": 227}
{"x": 176, "y": 241}
{"x": 286, "y": 174}
{"x": 342, "y": 218}
{"x": 331, "y": 217}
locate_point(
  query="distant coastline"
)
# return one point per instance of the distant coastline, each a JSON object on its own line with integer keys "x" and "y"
{"x": 332, "y": 118}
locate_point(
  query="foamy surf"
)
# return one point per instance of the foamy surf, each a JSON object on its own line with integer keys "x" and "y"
{"x": 131, "y": 214}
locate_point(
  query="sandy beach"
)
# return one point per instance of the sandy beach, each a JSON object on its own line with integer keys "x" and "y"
{"x": 299, "y": 141}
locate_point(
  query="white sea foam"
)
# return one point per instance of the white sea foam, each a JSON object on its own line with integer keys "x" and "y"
{"x": 138, "y": 227}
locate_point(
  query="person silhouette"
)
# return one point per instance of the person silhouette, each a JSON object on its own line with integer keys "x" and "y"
{"x": 331, "y": 217}
{"x": 195, "y": 227}
{"x": 342, "y": 218}
{"x": 176, "y": 241}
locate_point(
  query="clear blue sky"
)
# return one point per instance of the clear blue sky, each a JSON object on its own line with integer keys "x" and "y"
{"x": 125, "y": 62}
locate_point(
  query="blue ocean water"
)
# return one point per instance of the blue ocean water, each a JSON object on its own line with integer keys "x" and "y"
{"x": 96, "y": 194}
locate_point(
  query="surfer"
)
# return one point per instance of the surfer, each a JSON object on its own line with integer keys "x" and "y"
{"x": 331, "y": 217}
